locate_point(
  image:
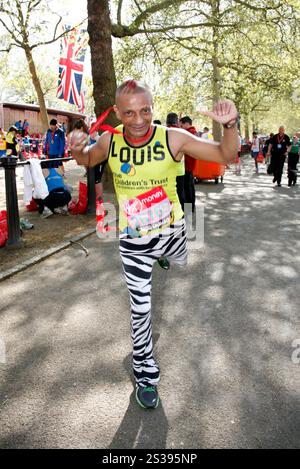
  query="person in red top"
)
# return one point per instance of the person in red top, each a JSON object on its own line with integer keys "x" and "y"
{"x": 190, "y": 164}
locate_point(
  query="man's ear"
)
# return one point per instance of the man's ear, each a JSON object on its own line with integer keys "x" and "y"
{"x": 117, "y": 112}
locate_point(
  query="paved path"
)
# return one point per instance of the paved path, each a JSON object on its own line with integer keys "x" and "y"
{"x": 224, "y": 330}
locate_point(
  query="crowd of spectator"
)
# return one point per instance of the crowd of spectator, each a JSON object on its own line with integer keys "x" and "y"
{"x": 18, "y": 141}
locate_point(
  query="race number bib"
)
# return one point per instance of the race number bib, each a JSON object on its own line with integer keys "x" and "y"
{"x": 149, "y": 211}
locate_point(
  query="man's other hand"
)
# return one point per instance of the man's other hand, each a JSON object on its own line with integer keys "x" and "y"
{"x": 78, "y": 141}
{"x": 223, "y": 112}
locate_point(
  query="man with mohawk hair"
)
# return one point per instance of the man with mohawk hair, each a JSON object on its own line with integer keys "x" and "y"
{"x": 144, "y": 159}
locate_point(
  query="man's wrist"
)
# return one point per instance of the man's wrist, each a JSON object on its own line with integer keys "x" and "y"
{"x": 81, "y": 156}
{"x": 86, "y": 154}
{"x": 232, "y": 123}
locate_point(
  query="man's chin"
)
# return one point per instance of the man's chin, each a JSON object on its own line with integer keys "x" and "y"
{"x": 134, "y": 133}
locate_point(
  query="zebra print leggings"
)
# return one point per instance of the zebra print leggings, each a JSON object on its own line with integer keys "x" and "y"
{"x": 138, "y": 257}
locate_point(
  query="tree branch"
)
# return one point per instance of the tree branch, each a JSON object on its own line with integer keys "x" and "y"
{"x": 10, "y": 46}
{"x": 255, "y": 7}
{"x": 32, "y": 4}
{"x": 128, "y": 31}
{"x": 119, "y": 14}
{"x": 195, "y": 50}
{"x": 11, "y": 33}
{"x": 154, "y": 9}
{"x": 54, "y": 39}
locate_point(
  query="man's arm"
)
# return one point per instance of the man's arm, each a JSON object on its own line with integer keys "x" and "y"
{"x": 288, "y": 147}
{"x": 201, "y": 149}
{"x": 180, "y": 141}
{"x": 269, "y": 149}
{"x": 89, "y": 155}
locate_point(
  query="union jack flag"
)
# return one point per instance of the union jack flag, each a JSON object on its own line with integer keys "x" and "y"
{"x": 81, "y": 107}
{"x": 72, "y": 54}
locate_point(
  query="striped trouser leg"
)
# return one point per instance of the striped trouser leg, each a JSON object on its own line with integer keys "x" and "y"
{"x": 173, "y": 245}
{"x": 137, "y": 268}
{"x": 138, "y": 256}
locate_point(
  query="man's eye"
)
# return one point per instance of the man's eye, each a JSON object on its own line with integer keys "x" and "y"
{"x": 128, "y": 113}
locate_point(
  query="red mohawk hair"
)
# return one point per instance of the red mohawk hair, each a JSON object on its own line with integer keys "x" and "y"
{"x": 132, "y": 86}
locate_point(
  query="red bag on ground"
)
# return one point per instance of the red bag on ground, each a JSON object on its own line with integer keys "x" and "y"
{"x": 72, "y": 207}
{"x": 3, "y": 228}
{"x": 260, "y": 157}
{"x": 32, "y": 206}
{"x": 82, "y": 204}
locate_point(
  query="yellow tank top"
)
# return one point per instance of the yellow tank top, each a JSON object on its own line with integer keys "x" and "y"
{"x": 2, "y": 143}
{"x": 10, "y": 137}
{"x": 145, "y": 183}
{"x": 181, "y": 167}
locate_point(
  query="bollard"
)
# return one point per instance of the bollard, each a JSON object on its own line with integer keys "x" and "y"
{"x": 9, "y": 164}
{"x": 91, "y": 191}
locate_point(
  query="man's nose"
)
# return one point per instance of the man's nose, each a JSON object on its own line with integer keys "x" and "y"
{"x": 139, "y": 119}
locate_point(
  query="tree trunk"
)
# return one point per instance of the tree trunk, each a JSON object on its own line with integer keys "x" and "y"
{"x": 103, "y": 70}
{"x": 216, "y": 76}
{"x": 37, "y": 85}
{"x": 247, "y": 131}
{"x": 217, "y": 132}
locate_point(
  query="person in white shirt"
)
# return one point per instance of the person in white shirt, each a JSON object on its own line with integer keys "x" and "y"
{"x": 206, "y": 134}
{"x": 255, "y": 149}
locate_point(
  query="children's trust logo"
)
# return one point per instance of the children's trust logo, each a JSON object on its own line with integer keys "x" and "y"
{"x": 128, "y": 169}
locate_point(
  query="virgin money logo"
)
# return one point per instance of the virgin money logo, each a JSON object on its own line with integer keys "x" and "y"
{"x": 134, "y": 206}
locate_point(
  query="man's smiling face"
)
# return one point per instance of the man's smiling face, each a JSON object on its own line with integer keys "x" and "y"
{"x": 135, "y": 111}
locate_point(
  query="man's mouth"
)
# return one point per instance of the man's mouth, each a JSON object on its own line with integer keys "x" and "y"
{"x": 139, "y": 129}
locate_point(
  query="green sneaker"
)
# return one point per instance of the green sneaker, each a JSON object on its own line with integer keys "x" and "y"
{"x": 147, "y": 397}
{"x": 164, "y": 263}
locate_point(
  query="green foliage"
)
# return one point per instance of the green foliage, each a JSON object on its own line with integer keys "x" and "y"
{"x": 17, "y": 87}
{"x": 27, "y": 25}
{"x": 188, "y": 52}
{"x": 245, "y": 51}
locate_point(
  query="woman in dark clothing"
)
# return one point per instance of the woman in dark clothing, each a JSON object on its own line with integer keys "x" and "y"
{"x": 12, "y": 141}
{"x": 293, "y": 160}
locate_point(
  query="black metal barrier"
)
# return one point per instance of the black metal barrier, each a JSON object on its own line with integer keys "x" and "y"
{"x": 9, "y": 164}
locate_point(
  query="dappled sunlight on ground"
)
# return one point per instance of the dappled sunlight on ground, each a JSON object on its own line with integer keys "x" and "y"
{"x": 223, "y": 330}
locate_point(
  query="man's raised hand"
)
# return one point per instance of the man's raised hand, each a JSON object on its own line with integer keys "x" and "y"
{"x": 78, "y": 141}
{"x": 223, "y": 112}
